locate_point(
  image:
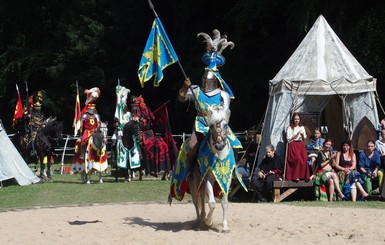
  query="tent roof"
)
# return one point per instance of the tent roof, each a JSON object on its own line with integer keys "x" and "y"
{"x": 322, "y": 65}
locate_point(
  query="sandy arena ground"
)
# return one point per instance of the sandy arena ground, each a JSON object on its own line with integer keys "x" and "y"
{"x": 250, "y": 223}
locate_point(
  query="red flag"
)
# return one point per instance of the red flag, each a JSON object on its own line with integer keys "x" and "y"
{"x": 77, "y": 112}
{"x": 162, "y": 125}
{"x": 18, "y": 110}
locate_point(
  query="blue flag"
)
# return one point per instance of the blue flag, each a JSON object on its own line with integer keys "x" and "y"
{"x": 157, "y": 55}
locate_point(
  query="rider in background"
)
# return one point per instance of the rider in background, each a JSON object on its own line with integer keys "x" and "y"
{"x": 35, "y": 117}
{"x": 213, "y": 91}
{"x": 90, "y": 118}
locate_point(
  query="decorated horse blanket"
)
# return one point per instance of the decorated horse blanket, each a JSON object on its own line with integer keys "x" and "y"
{"x": 222, "y": 169}
{"x": 94, "y": 159}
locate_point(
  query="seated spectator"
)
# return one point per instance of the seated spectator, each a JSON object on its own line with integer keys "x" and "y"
{"x": 325, "y": 174}
{"x": 369, "y": 165}
{"x": 297, "y": 167}
{"x": 380, "y": 147}
{"x": 313, "y": 147}
{"x": 350, "y": 180}
{"x": 269, "y": 170}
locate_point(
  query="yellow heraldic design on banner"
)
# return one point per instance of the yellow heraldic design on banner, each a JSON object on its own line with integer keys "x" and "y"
{"x": 157, "y": 55}
{"x": 222, "y": 168}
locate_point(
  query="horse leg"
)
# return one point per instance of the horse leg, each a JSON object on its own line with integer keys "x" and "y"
{"x": 100, "y": 177}
{"x": 85, "y": 178}
{"x": 49, "y": 170}
{"x": 42, "y": 167}
{"x": 140, "y": 174}
{"x": 193, "y": 186}
{"x": 88, "y": 178}
{"x": 202, "y": 196}
{"x": 225, "y": 204}
{"x": 211, "y": 202}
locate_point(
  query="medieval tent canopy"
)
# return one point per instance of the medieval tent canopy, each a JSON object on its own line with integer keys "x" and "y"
{"x": 12, "y": 165}
{"x": 323, "y": 81}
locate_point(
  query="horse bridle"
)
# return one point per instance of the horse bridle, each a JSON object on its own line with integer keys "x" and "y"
{"x": 218, "y": 137}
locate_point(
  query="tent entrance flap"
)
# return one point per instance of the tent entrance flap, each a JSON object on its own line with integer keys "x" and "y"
{"x": 332, "y": 117}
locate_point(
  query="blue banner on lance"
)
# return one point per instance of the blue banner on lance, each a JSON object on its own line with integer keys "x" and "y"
{"x": 157, "y": 55}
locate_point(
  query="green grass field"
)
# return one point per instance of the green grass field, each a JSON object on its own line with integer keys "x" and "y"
{"x": 67, "y": 190}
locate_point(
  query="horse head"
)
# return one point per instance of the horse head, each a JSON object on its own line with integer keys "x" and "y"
{"x": 218, "y": 119}
{"x": 131, "y": 129}
{"x": 104, "y": 131}
{"x": 53, "y": 128}
{"x": 99, "y": 137}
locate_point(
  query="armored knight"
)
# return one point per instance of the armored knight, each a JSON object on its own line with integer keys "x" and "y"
{"x": 213, "y": 91}
{"x": 36, "y": 117}
{"x": 90, "y": 118}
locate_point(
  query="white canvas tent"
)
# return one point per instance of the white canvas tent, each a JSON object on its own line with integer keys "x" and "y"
{"x": 322, "y": 78}
{"x": 12, "y": 165}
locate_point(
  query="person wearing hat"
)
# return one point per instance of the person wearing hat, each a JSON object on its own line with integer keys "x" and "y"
{"x": 213, "y": 91}
{"x": 36, "y": 117}
{"x": 89, "y": 122}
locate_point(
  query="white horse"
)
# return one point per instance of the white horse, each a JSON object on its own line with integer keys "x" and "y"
{"x": 217, "y": 162}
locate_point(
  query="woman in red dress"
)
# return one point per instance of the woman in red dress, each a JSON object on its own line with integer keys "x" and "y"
{"x": 296, "y": 155}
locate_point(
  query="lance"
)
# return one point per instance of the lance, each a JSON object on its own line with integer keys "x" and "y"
{"x": 29, "y": 118}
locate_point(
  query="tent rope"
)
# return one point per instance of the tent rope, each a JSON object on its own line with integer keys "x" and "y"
{"x": 377, "y": 97}
{"x": 379, "y": 102}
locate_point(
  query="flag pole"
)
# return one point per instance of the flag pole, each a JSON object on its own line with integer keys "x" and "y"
{"x": 29, "y": 118}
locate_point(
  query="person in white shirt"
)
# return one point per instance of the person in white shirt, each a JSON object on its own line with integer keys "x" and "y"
{"x": 296, "y": 154}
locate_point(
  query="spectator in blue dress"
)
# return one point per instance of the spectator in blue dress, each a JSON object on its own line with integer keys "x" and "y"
{"x": 314, "y": 145}
{"x": 346, "y": 166}
{"x": 369, "y": 164}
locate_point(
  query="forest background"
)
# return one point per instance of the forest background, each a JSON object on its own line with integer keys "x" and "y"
{"x": 51, "y": 44}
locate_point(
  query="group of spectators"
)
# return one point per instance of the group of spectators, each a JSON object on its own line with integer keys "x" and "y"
{"x": 340, "y": 174}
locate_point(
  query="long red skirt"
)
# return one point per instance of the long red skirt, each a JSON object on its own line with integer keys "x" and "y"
{"x": 296, "y": 162}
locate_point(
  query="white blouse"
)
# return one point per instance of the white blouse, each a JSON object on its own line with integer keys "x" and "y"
{"x": 293, "y": 131}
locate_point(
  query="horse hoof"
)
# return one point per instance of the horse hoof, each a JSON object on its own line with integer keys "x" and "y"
{"x": 226, "y": 230}
{"x": 101, "y": 181}
{"x": 209, "y": 223}
{"x": 88, "y": 182}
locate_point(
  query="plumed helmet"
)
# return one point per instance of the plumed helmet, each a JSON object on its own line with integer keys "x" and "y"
{"x": 92, "y": 95}
{"x": 214, "y": 47}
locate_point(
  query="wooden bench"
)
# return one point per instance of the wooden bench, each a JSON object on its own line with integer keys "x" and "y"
{"x": 290, "y": 187}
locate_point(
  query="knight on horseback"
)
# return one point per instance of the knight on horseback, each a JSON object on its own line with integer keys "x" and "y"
{"x": 35, "y": 118}
{"x": 89, "y": 122}
{"x": 90, "y": 150}
{"x": 213, "y": 91}
{"x": 207, "y": 159}
{"x": 90, "y": 118}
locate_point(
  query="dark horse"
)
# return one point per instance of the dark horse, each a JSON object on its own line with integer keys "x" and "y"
{"x": 45, "y": 142}
{"x": 131, "y": 133}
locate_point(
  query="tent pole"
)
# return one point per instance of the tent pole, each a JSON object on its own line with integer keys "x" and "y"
{"x": 259, "y": 143}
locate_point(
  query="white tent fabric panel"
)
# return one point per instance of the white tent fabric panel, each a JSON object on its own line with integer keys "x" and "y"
{"x": 320, "y": 74}
{"x": 12, "y": 165}
{"x": 322, "y": 61}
